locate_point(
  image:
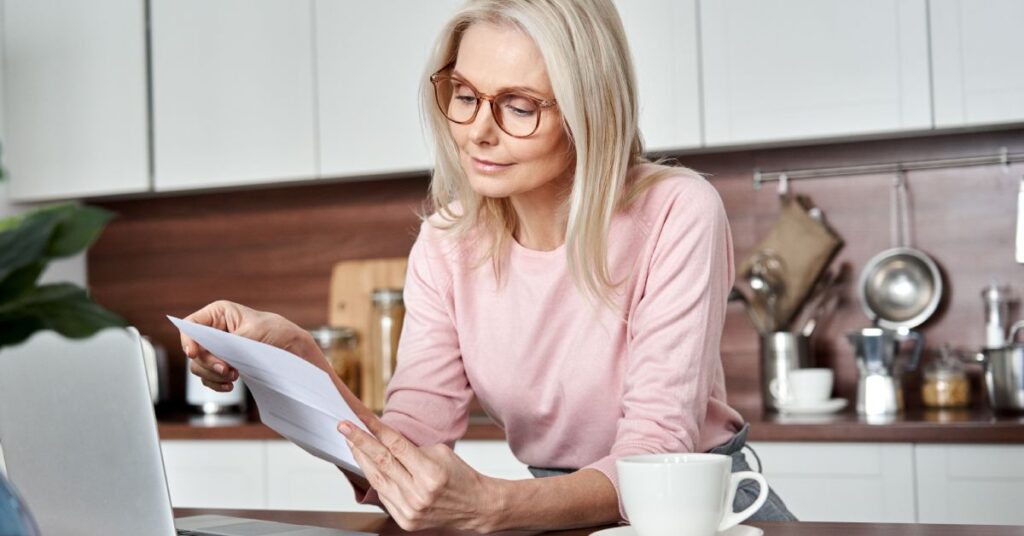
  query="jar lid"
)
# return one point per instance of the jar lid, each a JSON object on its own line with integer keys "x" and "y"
{"x": 386, "y": 296}
{"x": 327, "y": 336}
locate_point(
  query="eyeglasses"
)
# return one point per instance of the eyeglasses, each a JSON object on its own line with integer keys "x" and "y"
{"x": 517, "y": 114}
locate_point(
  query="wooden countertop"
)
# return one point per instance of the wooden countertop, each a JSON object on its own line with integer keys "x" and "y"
{"x": 381, "y": 524}
{"x": 916, "y": 426}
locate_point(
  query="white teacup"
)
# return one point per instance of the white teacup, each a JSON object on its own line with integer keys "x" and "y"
{"x": 805, "y": 386}
{"x": 683, "y": 494}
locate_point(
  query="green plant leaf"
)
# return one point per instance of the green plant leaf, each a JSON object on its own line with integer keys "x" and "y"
{"x": 20, "y": 281}
{"x": 26, "y": 243}
{"x": 16, "y": 329}
{"x": 62, "y": 307}
{"x": 77, "y": 230}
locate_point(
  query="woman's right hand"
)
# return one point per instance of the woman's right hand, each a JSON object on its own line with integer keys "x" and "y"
{"x": 269, "y": 328}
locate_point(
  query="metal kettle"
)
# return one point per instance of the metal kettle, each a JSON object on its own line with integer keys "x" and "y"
{"x": 1004, "y": 372}
{"x": 877, "y": 352}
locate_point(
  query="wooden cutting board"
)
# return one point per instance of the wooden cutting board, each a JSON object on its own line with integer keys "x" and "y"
{"x": 352, "y": 283}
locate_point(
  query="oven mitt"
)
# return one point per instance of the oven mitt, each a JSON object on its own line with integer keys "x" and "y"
{"x": 805, "y": 245}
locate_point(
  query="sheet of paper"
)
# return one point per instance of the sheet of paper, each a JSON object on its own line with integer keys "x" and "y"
{"x": 295, "y": 398}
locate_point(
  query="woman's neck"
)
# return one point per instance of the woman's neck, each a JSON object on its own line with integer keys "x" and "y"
{"x": 541, "y": 216}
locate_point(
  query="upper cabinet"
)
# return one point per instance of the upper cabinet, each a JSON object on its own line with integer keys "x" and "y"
{"x": 977, "y": 58}
{"x": 797, "y": 69}
{"x": 233, "y": 92}
{"x": 663, "y": 39}
{"x": 370, "y": 65}
{"x": 75, "y": 98}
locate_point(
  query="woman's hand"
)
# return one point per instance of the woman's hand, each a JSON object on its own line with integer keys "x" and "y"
{"x": 424, "y": 487}
{"x": 268, "y": 328}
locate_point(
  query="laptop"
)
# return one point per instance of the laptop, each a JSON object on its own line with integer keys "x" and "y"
{"x": 80, "y": 442}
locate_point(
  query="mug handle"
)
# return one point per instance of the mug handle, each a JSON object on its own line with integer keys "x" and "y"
{"x": 735, "y": 518}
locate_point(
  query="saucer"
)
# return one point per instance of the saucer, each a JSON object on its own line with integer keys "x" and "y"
{"x": 628, "y": 530}
{"x": 813, "y": 408}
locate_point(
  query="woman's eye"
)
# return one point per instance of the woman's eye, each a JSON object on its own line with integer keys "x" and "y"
{"x": 520, "y": 106}
{"x": 466, "y": 99}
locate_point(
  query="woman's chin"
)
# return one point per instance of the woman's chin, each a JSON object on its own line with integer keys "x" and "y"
{"x": 490, "y": 186}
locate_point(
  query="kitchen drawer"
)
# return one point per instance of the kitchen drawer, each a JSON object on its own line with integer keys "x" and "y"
{"x": 216, "y": 474}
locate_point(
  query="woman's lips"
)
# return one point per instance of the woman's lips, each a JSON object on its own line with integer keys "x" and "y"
{"x": 486, "y": 166}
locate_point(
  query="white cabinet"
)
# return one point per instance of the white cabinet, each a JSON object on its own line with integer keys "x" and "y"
{"x": 297, "y": 480}
{"x": 977, "y": 61}
{"x": 852, "y": 482}
{"x": 975, "y": 484}
{"x": 663, "y": 40}
{"x": 75, "y": 98}
{"x": 216, "y": 474}
{"x": 370, "y": 67}
{"x": 778, "y": 70}
{"x": 233, "y": 92}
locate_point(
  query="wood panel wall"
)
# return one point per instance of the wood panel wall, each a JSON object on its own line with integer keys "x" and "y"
{"x": 273, "y": 249}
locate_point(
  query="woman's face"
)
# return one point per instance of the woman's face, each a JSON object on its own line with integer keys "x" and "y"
{"x": 494, "y": 59}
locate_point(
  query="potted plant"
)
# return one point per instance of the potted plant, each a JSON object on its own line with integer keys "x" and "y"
{"x": 28, "y": 242}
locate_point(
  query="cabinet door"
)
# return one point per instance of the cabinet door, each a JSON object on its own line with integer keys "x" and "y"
{"x": 852, "y": 482}
{"x": 974, "y": 484}
{"x": 977, "y": 57}
{"x": 75, "y": 98}
{"x": 797, "y": 69}
{"x": 663, "y": 39}
{"x": 215, "y": 474}
{"x": 232, "y": 92}
{"x": 297, "y": 480}
{"x": 371, "y": 58}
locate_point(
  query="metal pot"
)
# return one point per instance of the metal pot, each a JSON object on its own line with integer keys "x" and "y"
{"x": 1004, "y": 373}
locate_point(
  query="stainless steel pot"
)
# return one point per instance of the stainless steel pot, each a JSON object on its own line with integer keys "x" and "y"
{"x": 1004, "y": 373}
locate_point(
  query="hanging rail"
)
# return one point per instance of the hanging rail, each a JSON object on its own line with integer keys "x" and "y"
{"x": 1003, "y": 157}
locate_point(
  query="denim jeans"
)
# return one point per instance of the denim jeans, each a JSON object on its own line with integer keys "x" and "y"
{"x": 773, "y": 508}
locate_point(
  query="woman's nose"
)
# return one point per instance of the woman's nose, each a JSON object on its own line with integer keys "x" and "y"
{"x": 484, "y": 129}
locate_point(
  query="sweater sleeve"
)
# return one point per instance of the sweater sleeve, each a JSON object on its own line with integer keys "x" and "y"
{"x": 675, "y": 329}
{"x": 427, "y": 399}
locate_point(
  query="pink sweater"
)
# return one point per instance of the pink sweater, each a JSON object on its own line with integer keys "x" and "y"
{"x": 573, "y": 386}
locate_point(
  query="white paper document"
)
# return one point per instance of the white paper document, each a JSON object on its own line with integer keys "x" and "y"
{"x": 295, "y": 398}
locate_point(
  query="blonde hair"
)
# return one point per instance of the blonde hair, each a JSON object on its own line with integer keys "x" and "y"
{"x": 584, "y": 48}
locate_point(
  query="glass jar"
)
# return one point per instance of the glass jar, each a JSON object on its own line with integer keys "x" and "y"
{"x": 945, "y": 383}
{"x": 382, "y": 343}
{"x": 339, "y": 347}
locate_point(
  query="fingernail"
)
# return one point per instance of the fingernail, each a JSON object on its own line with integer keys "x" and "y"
{"x": 219, "y": 368}
{"x": 226, "y": 386}
{"x": 234, "y": 375}
{"x": 344, "y": 428}
{"x": 186, "y": 350}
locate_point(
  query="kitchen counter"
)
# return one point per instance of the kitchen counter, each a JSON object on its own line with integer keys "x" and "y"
{"x": 915, "y": 426}
{"x": 381, "y": 524}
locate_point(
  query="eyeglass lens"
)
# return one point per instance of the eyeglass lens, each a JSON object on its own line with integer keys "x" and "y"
{"x": 516, "y": 114}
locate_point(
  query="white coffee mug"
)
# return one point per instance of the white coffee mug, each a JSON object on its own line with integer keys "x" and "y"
{"x": 683, "y": 494}
{"x": 804, "y": 386}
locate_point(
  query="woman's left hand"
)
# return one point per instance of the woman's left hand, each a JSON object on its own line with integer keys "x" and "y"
{"x": 423, "y": 487}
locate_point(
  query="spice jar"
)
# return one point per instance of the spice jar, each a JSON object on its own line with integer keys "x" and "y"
{"x": 382, "y": 343}
{"x": 339, "y": 347}
{"x": 945, "y": 383}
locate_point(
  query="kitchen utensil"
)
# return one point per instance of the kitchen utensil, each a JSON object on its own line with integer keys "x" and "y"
{"x": 388, "y": 316}
{"x": 997, "y": 299}
{"x": 805, "y": 246}
{"x": 766, "y": 280}
{"x": 901, "y": 286}
{"x": 781, "y": 352}
{"x": 879, "y": 390}
{"x": 1004, "y": 373}
{"x": 828, "y": 302}
{"x": 737, "y": 295}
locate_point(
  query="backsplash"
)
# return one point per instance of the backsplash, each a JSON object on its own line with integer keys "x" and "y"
{"x": 273, "y": 249}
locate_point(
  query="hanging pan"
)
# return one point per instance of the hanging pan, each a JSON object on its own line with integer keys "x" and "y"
{"x": 900, "y": 288}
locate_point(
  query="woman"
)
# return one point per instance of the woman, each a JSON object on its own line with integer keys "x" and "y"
{"x": 577, "y": 290}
